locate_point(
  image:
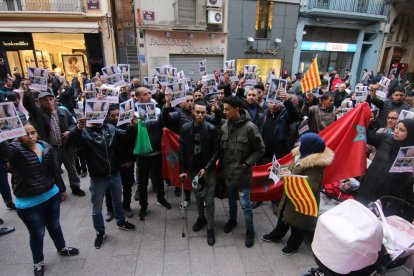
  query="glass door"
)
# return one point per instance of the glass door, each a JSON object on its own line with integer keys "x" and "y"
{"x": 15, "y": 65}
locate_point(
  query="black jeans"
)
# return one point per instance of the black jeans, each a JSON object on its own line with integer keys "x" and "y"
{"x": 150, "y": 165}
{"x": 127, "y": 179}
{"x": 80, "y": 162}
{"x": 38, "y": 217}
{"x": 296, "y": 235}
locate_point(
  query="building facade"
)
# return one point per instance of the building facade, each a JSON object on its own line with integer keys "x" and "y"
{"x": 263, "y": 33}
{"x": 398, "y": 46}
{"x": 181, "y": 33}
{"x": 64, "y": 36}
{"x": 344, "y": 35}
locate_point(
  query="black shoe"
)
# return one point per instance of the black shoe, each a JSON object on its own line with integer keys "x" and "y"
{"x": 126, "y": 226}
{"x": 78, "y": 191}
{"x": 128, "y": 212}
{"x": 100, "y": 237}
{"x": 211, "y": 238}
{"x": 177, "y": 192}
{"x": 256, "y": 204}
{"x": 83, "y": 174}
{"x": 10, "y": 205}
{"x": 109, "y": 216}
{"x": 249, "y": 238}
{"x": 39, "y": 269}
{"x": 68, "y": 251}
{"x": 287, "y": 251}
{"x": 143, "y": 214}
{"x": 164, "y": 203}
{"x": 270, "y": 238}
{"x": 1, "y": 221}
{"x": 229, "y": 226}
{"x": 200, "y": 223}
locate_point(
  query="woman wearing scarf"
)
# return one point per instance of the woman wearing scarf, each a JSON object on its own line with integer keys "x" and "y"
{"x": 310, "y": 159}
{"x": 378, "y": 181}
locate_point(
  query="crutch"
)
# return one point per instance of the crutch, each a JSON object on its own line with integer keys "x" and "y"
{"x": 183, "y": 212}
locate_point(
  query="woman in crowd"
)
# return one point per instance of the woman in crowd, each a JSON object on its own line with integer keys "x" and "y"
{"x": 392, "y": 120}
{"x": 38, "y": 189}
{"x": 378, "y": 181}
{"x": 310, "y": 159}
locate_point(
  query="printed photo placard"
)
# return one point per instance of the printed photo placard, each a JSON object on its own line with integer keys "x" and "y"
{"x": 10, "y": 125}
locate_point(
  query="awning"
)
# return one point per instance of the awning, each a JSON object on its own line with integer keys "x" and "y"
{"x": 49, "y": 27}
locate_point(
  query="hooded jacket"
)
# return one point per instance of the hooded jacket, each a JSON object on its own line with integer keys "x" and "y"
{"x": 313, "y": 167}
{"x": 241, "y": 143}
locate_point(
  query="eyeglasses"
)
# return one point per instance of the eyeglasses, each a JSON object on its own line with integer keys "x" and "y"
{"x": 392, "y": 118}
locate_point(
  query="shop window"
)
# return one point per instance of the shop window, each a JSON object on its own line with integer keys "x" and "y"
{"x": 264, "y": 18}
{"x": 62, "y": 53}
{"x": 266, "y": 66}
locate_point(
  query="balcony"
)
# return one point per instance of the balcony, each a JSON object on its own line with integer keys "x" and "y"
{"x": 370, "y": 10}
{"x": 40, "y": 6}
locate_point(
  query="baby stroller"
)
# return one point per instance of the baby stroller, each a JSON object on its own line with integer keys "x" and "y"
{"x": 349, "y": 238}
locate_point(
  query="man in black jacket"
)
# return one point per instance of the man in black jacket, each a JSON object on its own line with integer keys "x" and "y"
{"x": 199, "y": 146}
{"x": 54, "y": 126}
{"x": 102, "y": 142}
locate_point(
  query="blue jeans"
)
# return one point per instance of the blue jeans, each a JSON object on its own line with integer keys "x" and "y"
{"x": 98, "y": 188}
{"x": 36, "y": 218}
{"x": 244, "y": 195}
{"x": 4, "y": 183}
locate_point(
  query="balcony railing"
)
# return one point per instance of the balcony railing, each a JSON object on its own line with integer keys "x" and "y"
{"x": 371, "y": 7}
{"x": 42, "y": 5}
{"x": 190, "y": 14}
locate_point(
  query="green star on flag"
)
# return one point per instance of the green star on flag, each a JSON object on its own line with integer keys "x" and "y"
{"x": 172, "y": 157}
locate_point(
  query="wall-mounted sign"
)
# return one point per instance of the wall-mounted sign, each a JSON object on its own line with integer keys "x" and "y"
{"x": 328, "y": 46}
{"x": 148, "y": 15}
{"x": 252, "y": 50}
{"x": 93, "y": 4}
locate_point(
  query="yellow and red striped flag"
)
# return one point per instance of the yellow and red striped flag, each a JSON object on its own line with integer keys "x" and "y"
{"x": 297, "y": 189}
{"x": 311, "y": 79}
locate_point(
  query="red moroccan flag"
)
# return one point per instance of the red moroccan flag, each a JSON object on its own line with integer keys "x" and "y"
{"x": 347, "y": 138}
{"x": 170, "y": 163}
{"x": 311, "y": 79}
{"x": 299, "y": 192}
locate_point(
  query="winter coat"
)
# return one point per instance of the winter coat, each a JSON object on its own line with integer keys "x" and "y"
{"x": 385, "y": 107}
{"x": 378, "y": 181}
{"x": 319, "y": 118}
{"x": 32, "y": 177}
{"x": 241, "y": 143}
{"x": 313, "y": 167}
{"x": 209, "y": 144}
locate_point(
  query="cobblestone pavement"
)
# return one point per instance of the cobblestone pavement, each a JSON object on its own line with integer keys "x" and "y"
{"x": 156, "y": 247}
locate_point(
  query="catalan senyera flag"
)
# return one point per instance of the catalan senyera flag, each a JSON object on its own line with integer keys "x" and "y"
{"x": 297, "y": 189}
{"x": 311, "y": 79}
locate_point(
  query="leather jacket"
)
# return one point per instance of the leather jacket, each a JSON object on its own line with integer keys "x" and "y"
{"x": 209, "y": 143}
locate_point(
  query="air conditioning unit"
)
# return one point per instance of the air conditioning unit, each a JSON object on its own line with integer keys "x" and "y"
{"x": 215, "y": 3}
{"x": 215, "y": 16}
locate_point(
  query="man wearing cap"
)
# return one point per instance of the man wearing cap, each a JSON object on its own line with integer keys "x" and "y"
{"x": 54, "y": 126}
{"x": 198, "y": 152}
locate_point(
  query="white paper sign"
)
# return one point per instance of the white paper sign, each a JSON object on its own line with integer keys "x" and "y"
{"x": 38, "y": 77}
{"x": 126, "y": 112}
{"x": 405, "y": 114}
{"x": 404, "y": 162}
{"x": 147, "y": 111}
{"x": 110, "y": 92}
{"x": 95, "y": 111}
{"x": 10, "y": 124}
{"x": 125, "y": 70}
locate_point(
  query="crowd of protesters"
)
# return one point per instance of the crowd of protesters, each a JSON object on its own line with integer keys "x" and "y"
{"x": 239, "y": 127}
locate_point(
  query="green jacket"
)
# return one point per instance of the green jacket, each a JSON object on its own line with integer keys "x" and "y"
{"x": 311, "y": 166}
{"x": 241, "y": 143}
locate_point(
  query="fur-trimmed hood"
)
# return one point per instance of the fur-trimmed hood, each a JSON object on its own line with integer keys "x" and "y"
{"x": 322, "y": 159}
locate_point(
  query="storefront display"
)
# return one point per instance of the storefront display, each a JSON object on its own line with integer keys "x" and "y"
{"x": 265, "y": 66}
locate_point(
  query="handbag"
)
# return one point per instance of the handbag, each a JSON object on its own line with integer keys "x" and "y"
{"x": 142, "y": 142}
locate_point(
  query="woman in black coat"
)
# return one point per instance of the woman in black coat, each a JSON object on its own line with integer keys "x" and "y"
{"x": 378, "y": 181}
{"x": 38, "y": 190}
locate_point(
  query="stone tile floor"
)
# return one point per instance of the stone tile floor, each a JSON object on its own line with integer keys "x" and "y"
{"x": 156, "y": 247}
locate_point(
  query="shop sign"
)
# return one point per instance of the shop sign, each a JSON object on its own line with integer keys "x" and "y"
{"x": 328, "y": 46}
{"x": 187, "y": 46}
{"x": 170, "y": 42}
{"x": 252, "y": 50}
{"x": 15, "y": 44}
{"x": 148, "y": 15}
{"x": 217, "y": 50}
{"x": 93, "y": 4}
